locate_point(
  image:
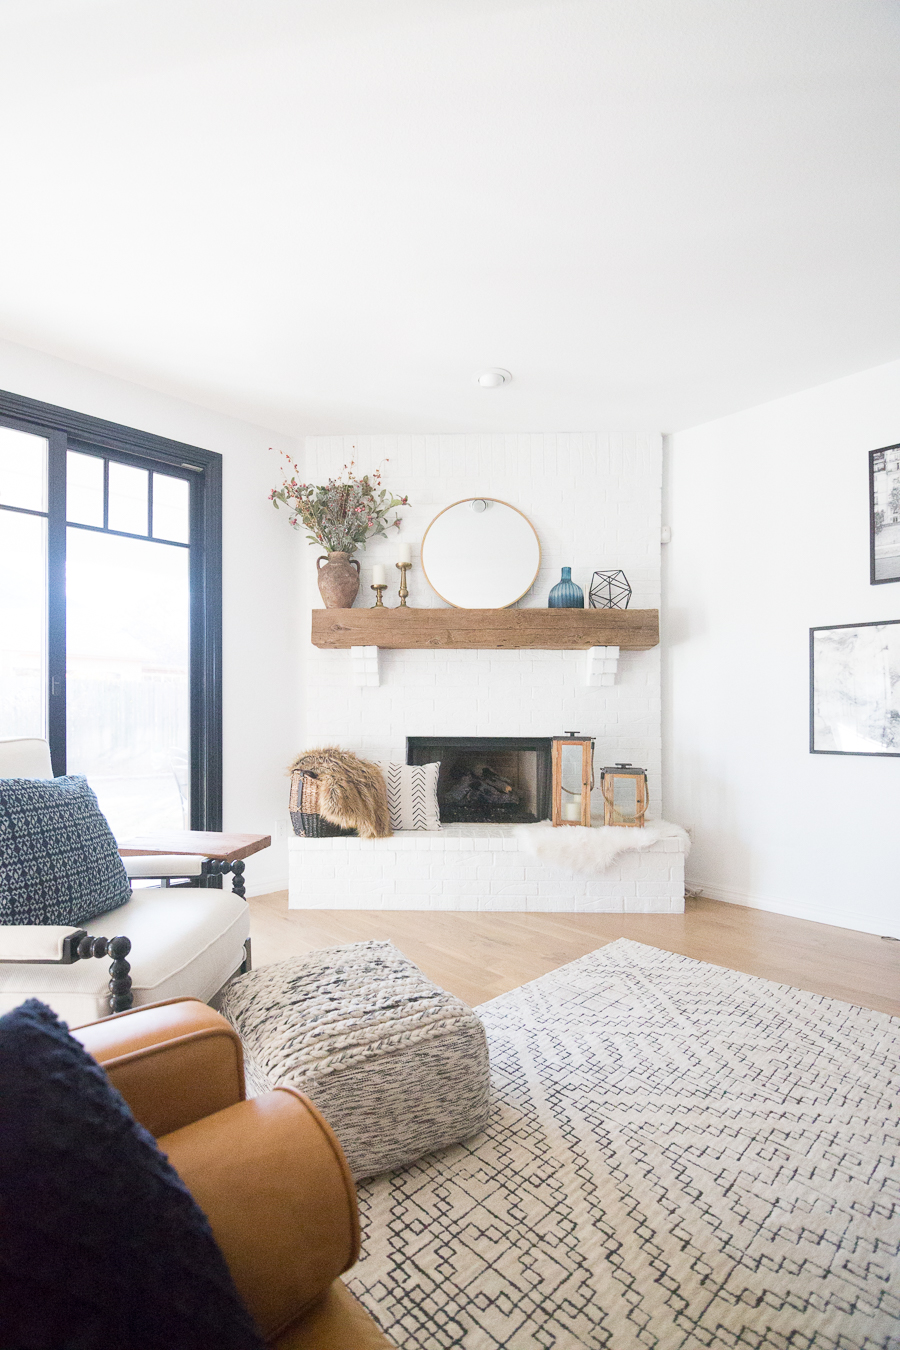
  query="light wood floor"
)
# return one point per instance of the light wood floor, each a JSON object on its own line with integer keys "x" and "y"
{"x": 477, "y": 956}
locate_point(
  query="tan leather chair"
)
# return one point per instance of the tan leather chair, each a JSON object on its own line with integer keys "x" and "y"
{"x": 268, "y": 1173}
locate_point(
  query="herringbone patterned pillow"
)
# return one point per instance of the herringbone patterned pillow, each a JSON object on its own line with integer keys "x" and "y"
{"x": 412, "y": 796}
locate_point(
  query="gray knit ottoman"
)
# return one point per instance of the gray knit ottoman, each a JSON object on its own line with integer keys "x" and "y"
{"x": 397, "y": 1066}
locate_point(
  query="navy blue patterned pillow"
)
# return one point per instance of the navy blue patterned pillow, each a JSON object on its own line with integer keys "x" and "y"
{"x": 102, "y": 1246}
{"x": 58, "y": 858}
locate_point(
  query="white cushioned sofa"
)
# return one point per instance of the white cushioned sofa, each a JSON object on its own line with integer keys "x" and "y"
{"x": 185, "y": 942}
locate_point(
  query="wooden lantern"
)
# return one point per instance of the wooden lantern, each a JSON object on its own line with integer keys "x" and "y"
{"x": 573, "y": 778}
{"x": 625, "y": 795}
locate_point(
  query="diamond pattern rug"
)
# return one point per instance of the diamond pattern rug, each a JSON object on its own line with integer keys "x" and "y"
{"x": 678, "y": 1156}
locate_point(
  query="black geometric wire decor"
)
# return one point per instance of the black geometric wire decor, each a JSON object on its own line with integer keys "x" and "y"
{"x": 610, "y": 590}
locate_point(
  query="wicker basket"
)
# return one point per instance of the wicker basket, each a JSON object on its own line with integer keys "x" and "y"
{"x": 304, "y": 807}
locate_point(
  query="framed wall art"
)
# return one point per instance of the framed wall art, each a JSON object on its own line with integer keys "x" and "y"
{"x": 884, "y": 514}
{"x": 854, "y": 689}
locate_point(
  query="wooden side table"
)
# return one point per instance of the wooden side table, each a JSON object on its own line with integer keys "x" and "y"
{"x": 224, "y": 852}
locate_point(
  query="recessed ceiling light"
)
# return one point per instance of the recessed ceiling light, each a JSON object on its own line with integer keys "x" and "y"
{"x": 493, "y": 379}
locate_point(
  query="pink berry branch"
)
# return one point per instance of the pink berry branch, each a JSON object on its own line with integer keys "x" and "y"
{"x": 343, "y": 513}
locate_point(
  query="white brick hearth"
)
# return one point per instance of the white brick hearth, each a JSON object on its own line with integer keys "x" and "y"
{"x": 476, "y": 867}
{"x": 594, "y": 500}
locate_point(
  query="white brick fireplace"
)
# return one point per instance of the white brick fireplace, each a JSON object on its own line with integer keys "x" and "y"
{"x": 594, "y": 500}
{"x": 479, "y": 867}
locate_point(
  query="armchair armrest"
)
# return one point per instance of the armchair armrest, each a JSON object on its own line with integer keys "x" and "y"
{"x": 41, "y": 943}
{"x": 57, "y": 945}
{"x": 273, "y": 1182}
{"x": 173, "y": 1062}
{"x": 164, "y": 865}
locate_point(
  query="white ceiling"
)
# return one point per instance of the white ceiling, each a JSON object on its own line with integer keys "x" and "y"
{"x": 331, "y": 216}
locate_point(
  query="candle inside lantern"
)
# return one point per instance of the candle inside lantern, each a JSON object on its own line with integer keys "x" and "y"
{"x": 379, "y": 575}
{"x": 403, "y": 553}
{"x": 571, "y": 811}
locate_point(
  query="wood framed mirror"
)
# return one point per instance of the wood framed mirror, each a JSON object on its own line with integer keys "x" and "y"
{"x": 481, "y": 553}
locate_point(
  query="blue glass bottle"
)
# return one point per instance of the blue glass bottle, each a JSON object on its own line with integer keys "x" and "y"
{"x": 566, "y": 594}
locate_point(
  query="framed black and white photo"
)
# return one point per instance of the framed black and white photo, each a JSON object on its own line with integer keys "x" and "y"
{"x": 884, "y": 514}
{"x": 854, "y": 689}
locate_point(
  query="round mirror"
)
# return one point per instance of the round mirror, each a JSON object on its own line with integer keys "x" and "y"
{"x": 481, "y": 554}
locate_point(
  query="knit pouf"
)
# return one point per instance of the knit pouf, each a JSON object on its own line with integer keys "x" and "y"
{"x": 397, "y": 1066}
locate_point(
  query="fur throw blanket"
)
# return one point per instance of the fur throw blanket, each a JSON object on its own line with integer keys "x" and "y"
{"x": 579, "y": 849}
{"x": 352, "y": 791}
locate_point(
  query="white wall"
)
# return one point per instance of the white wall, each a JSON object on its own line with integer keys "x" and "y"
{"x": 594, "y": 500}
{"x": 260, "y": 575}
{"x": 769, "y": 514}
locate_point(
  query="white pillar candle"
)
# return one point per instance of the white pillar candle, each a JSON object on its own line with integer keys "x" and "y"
{"x": 403, "y": 553}
{"x": 379, "y": 575}
{"x": 571, "y": 811}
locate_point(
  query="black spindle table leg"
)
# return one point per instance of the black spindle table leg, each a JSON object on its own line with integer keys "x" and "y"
{"x": 212, "y": 868}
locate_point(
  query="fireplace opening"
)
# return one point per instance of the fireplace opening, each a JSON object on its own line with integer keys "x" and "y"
{"x": 498, "y": 780}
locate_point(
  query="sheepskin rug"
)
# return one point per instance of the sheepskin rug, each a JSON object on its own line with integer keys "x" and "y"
{"x": 580, "y": 848}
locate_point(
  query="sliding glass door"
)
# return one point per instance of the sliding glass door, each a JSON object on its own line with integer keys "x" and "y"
{"x": 109, "y": 615}
{"x": 128, "y": 641}
{"x": 23, "y": 583}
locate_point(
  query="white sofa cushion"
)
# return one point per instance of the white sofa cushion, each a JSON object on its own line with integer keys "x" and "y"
{"x": 184, "y": 942}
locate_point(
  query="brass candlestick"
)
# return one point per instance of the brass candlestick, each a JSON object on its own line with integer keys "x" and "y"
{"x": 378, "y": 588}
{"x": 404, "y": 568}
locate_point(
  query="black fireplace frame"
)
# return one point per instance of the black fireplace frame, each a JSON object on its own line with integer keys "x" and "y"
{"x": 425, "y": 749}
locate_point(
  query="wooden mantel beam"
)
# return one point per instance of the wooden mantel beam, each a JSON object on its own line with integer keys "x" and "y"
{"x": 487, "y": 629}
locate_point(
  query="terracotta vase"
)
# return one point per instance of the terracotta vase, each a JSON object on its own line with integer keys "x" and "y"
{"x": 338, "y": 582}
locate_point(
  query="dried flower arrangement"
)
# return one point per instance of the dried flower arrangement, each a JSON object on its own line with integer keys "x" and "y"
{"x": 343, "y": 513}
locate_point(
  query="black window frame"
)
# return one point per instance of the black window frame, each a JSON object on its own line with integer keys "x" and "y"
{"x": 66, "y": 430}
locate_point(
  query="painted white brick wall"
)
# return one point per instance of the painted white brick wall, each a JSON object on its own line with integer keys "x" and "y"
{"x": 595, "y": 501}
{"x": 477, "y": 868}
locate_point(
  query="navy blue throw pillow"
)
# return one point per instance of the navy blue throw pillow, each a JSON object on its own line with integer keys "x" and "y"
{"x": 58, "y": 859}
{"x": 101, "y": 1243}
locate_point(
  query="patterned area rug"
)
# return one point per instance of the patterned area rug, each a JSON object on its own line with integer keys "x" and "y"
{"x": 678, "y": 1156}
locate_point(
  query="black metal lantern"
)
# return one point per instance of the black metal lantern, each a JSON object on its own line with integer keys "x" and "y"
{"x": 625, "y": 795}
{"x": 610, "y": 590}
